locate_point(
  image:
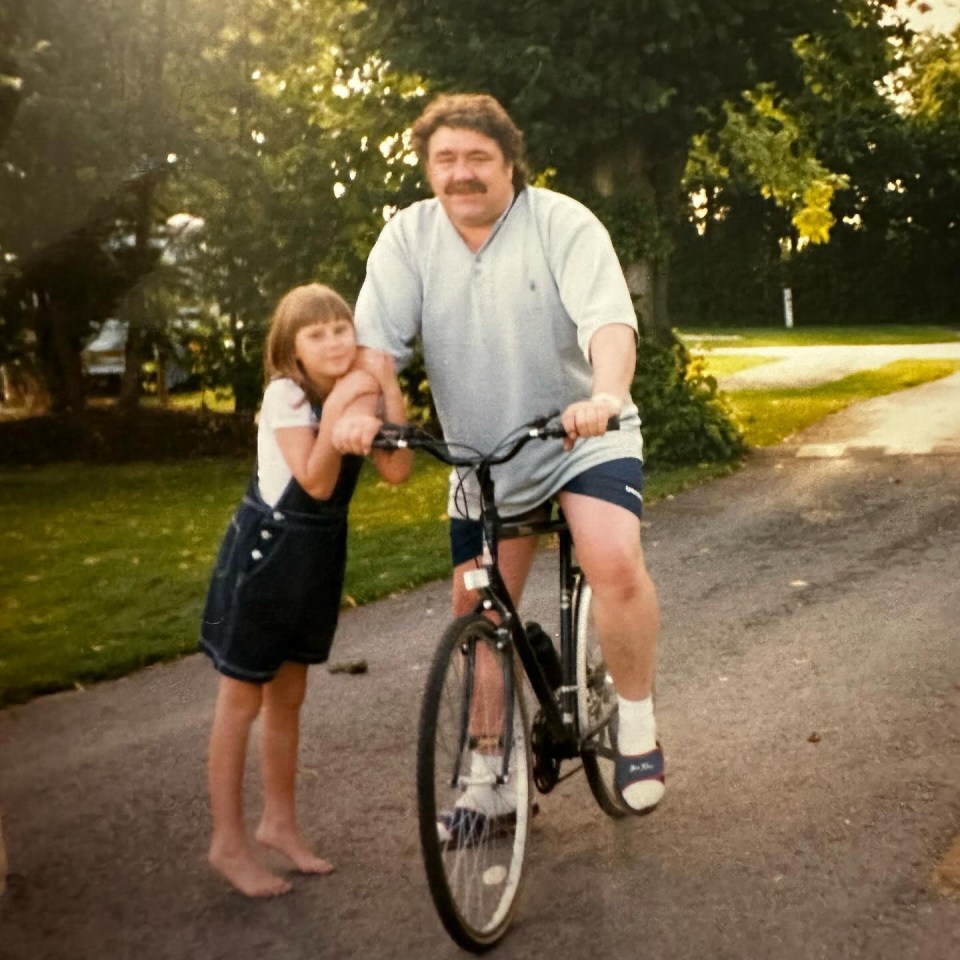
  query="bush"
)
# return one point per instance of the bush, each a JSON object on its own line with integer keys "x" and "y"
{"x": 109, "y": 435}
{"x": 685, "y": 421}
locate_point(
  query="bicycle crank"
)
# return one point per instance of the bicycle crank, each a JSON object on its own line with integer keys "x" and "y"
{"x": 548, "y": 754}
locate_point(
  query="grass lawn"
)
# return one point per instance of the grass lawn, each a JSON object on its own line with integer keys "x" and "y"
{"x": 700, "y": 339}
{"x": 103, "y": 569}
{"x": 725, "y": 365}
{"x": 769, "y": 416}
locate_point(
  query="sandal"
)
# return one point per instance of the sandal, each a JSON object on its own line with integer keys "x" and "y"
{"x": 637, "y": 769}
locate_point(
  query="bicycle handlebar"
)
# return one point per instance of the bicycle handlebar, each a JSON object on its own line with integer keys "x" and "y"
{"x": 392, "y": 436}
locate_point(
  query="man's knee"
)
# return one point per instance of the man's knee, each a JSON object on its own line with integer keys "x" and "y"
{"x": 620, "y": 576}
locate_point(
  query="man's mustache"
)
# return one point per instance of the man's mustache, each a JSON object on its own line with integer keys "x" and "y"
{"x": 465, "y": 186}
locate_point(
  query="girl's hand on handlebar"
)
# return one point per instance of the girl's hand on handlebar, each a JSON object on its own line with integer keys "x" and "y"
{"x": 588, "y": 418}
{"x": 354, "y": 433}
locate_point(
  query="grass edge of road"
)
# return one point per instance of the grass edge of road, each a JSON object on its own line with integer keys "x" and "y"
{"x": 699, "y": 339}
{"x": 769, "y": 416}
{"x": 104, "y": 568}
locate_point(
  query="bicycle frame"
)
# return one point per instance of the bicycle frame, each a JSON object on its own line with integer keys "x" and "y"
{"x": 559, "y": 711}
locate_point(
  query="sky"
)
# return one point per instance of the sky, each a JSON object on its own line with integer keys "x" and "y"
{"x": 942, "y": 16}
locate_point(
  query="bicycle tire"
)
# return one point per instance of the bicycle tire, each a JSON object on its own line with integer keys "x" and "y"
{"x": 473, "y": 874}
{"x": 596, "y": 707}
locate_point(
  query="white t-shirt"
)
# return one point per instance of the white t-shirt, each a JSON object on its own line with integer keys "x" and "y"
{"x": 284, "y": 405}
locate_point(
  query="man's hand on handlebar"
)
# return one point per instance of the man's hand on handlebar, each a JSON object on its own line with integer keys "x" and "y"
{"x": 354, "y": 433}
{"x": 588, "y": 418}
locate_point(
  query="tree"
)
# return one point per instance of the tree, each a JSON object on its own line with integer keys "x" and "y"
{"x": 893, "y": 250}
{"x": 83, "y": 158}
{"x": 611, "y": 94}
{"x": 293, "y": 164}
{"x": 236, "y": 113}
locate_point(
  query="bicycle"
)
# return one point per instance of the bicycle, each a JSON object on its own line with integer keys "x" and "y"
{"x": 477, "y": 735}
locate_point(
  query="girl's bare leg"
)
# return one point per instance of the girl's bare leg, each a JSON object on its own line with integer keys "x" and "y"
{"x": 230, "y": 849}
{"x": 279, "y": 743}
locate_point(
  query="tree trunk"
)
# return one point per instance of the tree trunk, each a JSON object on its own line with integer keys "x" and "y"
{"x": 628, "y": 170}
{"x": 151, "y": 105}
{"x": 163, "y": 394}
{"x": 136, "y": 313}
{"x": 59, "y": 359}
{"x": 23, "y": 388}
{"x": 246, "y": 382}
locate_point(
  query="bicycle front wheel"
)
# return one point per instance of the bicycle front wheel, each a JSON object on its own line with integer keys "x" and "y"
{"x": 473, "y": 783}
{"x": 596, "y": 707}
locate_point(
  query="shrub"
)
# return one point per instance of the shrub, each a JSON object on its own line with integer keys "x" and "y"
{"x": 685, "y": 421}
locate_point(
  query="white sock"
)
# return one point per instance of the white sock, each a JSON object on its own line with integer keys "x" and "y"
{"x": 636, "y": 735}
{"x": 485, "y": 795}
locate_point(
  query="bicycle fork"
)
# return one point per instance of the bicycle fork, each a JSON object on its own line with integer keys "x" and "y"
{"x": 502, "y": 739}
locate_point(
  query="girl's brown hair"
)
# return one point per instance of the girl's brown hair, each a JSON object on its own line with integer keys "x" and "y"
{"x": 298, "y": 308}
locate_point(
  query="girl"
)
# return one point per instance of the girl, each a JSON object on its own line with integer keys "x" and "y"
{"x": 274, "y": 598}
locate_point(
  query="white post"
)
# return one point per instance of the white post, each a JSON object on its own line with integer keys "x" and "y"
{"x": 788, "y": 307}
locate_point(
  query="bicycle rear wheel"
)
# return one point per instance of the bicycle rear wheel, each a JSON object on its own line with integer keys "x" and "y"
{"x": 473, "y": 784}
{"x": 596, "y": 707}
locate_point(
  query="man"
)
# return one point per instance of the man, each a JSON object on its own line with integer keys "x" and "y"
{"x": 522, "y": 308}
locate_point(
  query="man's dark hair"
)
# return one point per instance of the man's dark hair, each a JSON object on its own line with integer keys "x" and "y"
{"x": 473, "y": 111}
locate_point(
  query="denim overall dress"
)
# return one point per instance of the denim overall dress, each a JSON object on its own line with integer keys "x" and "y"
{"x": 276, "y": 587}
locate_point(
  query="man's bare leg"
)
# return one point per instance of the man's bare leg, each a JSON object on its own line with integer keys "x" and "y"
{"x": 627, "y": 618}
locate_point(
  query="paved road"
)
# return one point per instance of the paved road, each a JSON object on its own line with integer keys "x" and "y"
{"x": 809, "y": 702}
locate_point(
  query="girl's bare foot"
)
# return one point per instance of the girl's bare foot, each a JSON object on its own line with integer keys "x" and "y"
{"x": 291, "y": 843}
{"x": 245, "y": 872}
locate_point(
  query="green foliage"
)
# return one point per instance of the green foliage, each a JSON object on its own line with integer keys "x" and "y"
{"x": 763, "y": 139}
{"x": 884, "y": 117}
{"x": 288, "y": 160}
{"x": 684, "y": 419}
{"x": 282, "y": 125}
{"x": 85, "y": 152}
{"x": 295, "y": 161}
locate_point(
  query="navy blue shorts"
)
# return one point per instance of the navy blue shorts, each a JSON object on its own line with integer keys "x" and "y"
{"x": 617, "y": 481}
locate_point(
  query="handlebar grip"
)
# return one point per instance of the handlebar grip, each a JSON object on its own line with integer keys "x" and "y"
{"x": 556, "y": 430}
{"x": 391, "y": 436}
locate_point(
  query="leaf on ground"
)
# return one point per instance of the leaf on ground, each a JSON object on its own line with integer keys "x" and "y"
{"x": 348, "y": 666}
